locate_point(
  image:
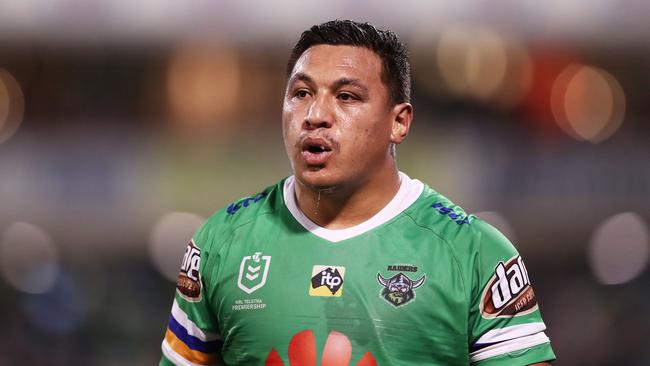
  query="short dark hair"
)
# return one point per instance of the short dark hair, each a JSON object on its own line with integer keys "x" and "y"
{"x": 396, "y": 69}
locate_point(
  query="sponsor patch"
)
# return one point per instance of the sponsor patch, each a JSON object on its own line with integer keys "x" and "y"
{"x": 400, "y": 289}
{"x": 253, "y": 271}
{"x": 188, "y": 284}
{"x": 508, "y": 293}
{"x": 326, "y": 281}
{"x": 234, "y": 207}
{"x": 459, "y": 217}
{"x": 336, "y": 350}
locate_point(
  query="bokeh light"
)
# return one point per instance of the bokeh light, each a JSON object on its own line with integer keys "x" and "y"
{"x": 619, "y": 249}
{"x": 518, "y": 78}
{"x": 168, "y": 240}
{"x": 203, "y": 87}
{"x": 588, "y": 103}
{"x": 12, "y": 105}
{"x": 547, "y": 62}
{"x": 29, "y": 260}
{"x": 500, "y": 222}
{"x": 472, "y": 61}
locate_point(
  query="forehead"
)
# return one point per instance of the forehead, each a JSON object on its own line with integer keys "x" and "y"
{"x": 328, "y": 61}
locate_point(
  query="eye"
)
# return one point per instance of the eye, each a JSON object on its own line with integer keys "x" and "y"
{"x": 301, "y": 93}
{"x": 347, "y": 96}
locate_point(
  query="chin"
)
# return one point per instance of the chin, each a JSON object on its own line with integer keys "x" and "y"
{"x": 319, "y": 180}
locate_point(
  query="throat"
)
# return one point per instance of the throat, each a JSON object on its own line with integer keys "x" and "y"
{"x": 317, "y": 202}
{"x": 336, "y": 208}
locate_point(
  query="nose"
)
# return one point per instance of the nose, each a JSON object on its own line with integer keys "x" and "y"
{"x": 319, "y": 114}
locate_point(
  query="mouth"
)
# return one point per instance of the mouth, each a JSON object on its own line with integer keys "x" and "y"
{"x": 315, "y": 151}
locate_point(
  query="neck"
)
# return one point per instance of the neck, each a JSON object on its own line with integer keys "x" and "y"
{"x": 348, "y": 205}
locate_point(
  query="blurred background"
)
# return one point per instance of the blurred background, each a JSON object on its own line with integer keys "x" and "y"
{"x": 123, "y": 125}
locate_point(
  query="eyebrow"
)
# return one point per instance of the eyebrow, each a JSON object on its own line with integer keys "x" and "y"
{"x": 301, "y": 76}
{"x": 350, "y": 81}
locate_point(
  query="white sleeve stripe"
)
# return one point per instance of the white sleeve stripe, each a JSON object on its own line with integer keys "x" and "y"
{"x": 511, "y": 332}
{"x": 174, "y": 357}
{"x": 508, "y": 346}
{"x": 191, "y": 328}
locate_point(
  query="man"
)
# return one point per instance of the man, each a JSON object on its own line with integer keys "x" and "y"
{"x": 349, "y": 261}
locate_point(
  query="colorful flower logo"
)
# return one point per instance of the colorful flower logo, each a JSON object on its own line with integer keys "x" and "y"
{"x": 302, "y": 351}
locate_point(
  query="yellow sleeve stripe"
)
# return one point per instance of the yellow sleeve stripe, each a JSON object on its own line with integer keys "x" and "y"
{"x": 183, "y": 350}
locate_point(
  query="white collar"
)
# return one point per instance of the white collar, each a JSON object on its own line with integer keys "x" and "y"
{"x": 408, "y": 193}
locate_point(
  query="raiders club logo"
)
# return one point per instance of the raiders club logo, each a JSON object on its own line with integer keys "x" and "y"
{"x": 188, "y": 284}
{"x": 399, "y": 289}
{"x": 508, "y": 293}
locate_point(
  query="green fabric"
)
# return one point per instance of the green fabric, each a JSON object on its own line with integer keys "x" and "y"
{"x": 165, "y": 362}
{"x": 433, "y": 324}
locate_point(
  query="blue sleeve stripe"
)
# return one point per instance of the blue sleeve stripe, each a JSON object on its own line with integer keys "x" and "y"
{"x": 191, "y": 341}
{"x": 477, "y": 346}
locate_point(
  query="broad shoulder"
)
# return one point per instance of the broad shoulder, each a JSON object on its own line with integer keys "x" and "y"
{"x": 240, "y": 212}
{"x": 464, "y": 232}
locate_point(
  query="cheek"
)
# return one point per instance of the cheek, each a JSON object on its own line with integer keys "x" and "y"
{"x": 287, "y": 137}
{"x": 356, "y": 123}
{"x": 288, "y": 123}
{"x": 366, "y": 132}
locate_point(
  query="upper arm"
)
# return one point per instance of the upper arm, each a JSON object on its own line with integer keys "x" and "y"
{"x": 505, "y": 325}
{"x": 192, "y": 335}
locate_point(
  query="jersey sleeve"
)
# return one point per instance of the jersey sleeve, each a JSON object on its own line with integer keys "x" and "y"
{"x": 192, "y": 336}
{"x": 505, "y": 324}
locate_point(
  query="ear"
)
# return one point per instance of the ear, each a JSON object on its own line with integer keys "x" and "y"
{"x": 403, "y": 115}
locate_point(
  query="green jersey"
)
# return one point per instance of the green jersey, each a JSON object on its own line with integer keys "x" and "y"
{"x": 419, "y": 283}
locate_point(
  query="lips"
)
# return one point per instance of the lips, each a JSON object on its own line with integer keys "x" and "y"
{"x": 315, "y": 150}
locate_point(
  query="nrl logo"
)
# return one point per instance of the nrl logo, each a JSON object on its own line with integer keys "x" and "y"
{"x": 253, "y": 271}
{"x": 398, "y": 290}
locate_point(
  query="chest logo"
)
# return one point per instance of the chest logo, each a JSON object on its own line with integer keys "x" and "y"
{"x": 337, "y": 351}
{"x": 326, "y": 281}
{"x": 253, "y": 271}
{"x": 399, "y": 289}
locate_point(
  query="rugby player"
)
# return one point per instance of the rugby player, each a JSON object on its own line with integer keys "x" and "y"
{"x": 349, "y": 261}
